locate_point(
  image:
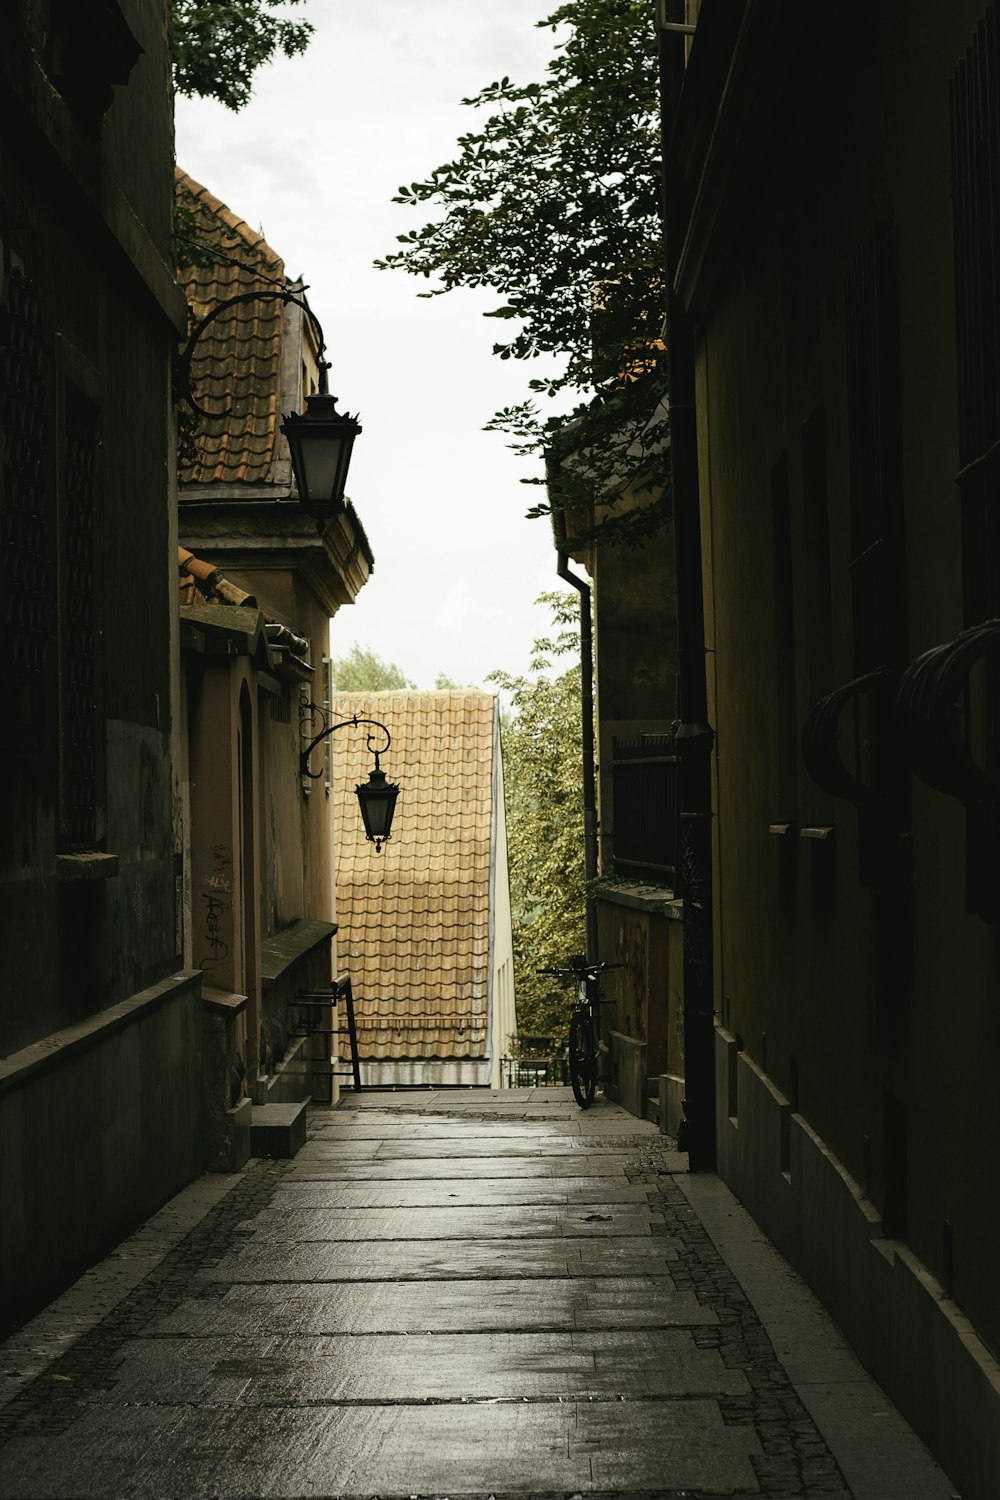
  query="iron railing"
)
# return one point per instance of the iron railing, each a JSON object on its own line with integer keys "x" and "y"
{"x": 533, "y": 1072}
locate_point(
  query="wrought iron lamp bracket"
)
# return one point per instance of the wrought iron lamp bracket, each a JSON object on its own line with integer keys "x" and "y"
{"x": 182, "y": 370}
{"x": 344, "y": 724}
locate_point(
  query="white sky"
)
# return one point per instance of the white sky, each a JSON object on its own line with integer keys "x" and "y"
{"x": 313, "y": 162}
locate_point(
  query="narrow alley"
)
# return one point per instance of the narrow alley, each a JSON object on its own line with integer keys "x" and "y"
{"x": 444, "y": 1294}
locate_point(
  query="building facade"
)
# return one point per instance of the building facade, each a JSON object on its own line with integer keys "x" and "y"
{"x": 99, "y": 1021}
{"x": 260, "y": 582}
{"x": 630, "y": 597}
{"x": 839, "y": 266}
{"x": 425, "y": 925}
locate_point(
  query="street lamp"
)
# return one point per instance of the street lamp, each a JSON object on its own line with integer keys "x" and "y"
{"x": 320, "y": 439}
{"x": 376, "y": 796}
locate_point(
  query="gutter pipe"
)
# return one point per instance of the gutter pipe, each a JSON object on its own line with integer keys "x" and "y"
{"x": 586, "y": 718}
{"x": 694, "y": 738}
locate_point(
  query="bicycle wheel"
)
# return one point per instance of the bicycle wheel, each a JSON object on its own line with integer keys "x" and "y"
{"x": 582, "y": 1058}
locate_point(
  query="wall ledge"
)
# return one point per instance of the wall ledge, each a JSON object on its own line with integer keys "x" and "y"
{"x": 60, "y": 1046}
{"x": 657, "y": 899}
{"x": 283, "y": 949}
{"x": 91, "y": 865}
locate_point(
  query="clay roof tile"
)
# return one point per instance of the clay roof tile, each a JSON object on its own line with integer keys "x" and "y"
{"x": 421, "y": 972}
{"x": 237, "y": 360}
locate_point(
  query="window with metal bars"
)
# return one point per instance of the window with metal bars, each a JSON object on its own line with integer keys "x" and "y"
{"x": 644, "y": 793}
{"x": 878, "y": 587}
{"x": 26, "y": 535}
{"x": 974, "y": 108}
{"x": 787, "y": 726}
{"x": 814, "y": 604}
{"x": 280, "y": 708}
{"x": 878, "y": 563}
{"x": 77, "y": 633}
{"x": 975, "y": 147}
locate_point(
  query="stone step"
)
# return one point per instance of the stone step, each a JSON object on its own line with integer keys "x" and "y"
{"x": 278, "y": 1130}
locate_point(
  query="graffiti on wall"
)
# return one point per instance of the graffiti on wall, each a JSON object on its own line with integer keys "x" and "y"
{"x": 215, "y": 900}
{"x": 632, "y": 949}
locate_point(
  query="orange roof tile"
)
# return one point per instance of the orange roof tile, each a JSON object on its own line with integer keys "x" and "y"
{"x": 415, "y": 920}
{"x": 237, "y": 361}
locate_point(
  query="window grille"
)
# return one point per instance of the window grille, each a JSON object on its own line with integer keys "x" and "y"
{"x": 877, "y": 566}
{"x": 975, "y": 145}
{"x": 787, "y": 727}
{"x": 974, "y": 104}
{"x": 77, "y": 685}
{"x": 876, "y": 461}
{"x": 26, "y": 543}
{"x": 644, "y": 793}
{"x": 280, "y": 708}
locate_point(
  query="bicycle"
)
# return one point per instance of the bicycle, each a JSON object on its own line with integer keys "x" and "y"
{"x": 584, "y": 1025}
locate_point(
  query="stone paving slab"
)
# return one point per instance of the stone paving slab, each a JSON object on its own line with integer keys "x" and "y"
{"x": 519, "y": 1448}
{"x": 399, "y": 1169}
{"x": 423, "y": 1260}
{"x": 410, "y": 1144}
{"x": 312, "y": 1370}
{"x": 365, "y": 1128}
{"x": 532, "y": 1103}
{"x": 253, "y": 1310}
{"x": 444, "y": 1192}
{"x": 293, "y": 1225}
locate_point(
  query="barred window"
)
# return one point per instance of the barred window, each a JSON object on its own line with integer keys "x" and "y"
{"x": 871, "y": 318}
{"x": 974, "y": 101}
{"x": 975, "y": 145}
{"x": 26, "y": 546}
{"x": 77, "y": 634}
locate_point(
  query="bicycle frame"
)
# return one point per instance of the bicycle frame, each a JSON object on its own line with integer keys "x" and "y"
{"x": 585, "y": 1026}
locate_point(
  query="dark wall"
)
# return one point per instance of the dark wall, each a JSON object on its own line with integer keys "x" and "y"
{"x": 853, "y": 964}
{"x": 87, "y": 325}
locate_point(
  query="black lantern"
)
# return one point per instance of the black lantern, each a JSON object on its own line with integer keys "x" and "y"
{"x": 320, "y": 439}
{"x": 377, "y": 800}
{"x": 320, "y": 442}
{"x": 376, "y": 796}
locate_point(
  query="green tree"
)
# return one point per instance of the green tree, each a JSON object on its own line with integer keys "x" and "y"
{"x": 544, "y": 789}
{"x": 361, "y": 671}
{"x": 218, "y": 45}
{"x": 443, "y": 684}
{"x": 554, "y": 203}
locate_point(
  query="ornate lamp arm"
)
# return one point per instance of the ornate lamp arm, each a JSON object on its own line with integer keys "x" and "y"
{"x": 343, "y": 724}
{"x": 182, "y": 375}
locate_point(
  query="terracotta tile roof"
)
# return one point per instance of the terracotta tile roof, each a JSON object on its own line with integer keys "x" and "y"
{"x": 415, "y": 920}
{"x": 201, "y": 582}
{"x": 237, "y": 361}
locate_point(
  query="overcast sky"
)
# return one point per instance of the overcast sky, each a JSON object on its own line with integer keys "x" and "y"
{"x": 313, "y": 162}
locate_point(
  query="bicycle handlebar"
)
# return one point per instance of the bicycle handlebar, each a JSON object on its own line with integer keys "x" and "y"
{"x": 588, "y": 970}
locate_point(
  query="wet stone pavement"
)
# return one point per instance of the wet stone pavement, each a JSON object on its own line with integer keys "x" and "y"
{"x": 442, "y": 1295}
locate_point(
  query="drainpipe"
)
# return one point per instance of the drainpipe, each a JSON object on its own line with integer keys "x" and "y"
{"x": 586, "y": 718}
{"x": 694, "y": 735}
